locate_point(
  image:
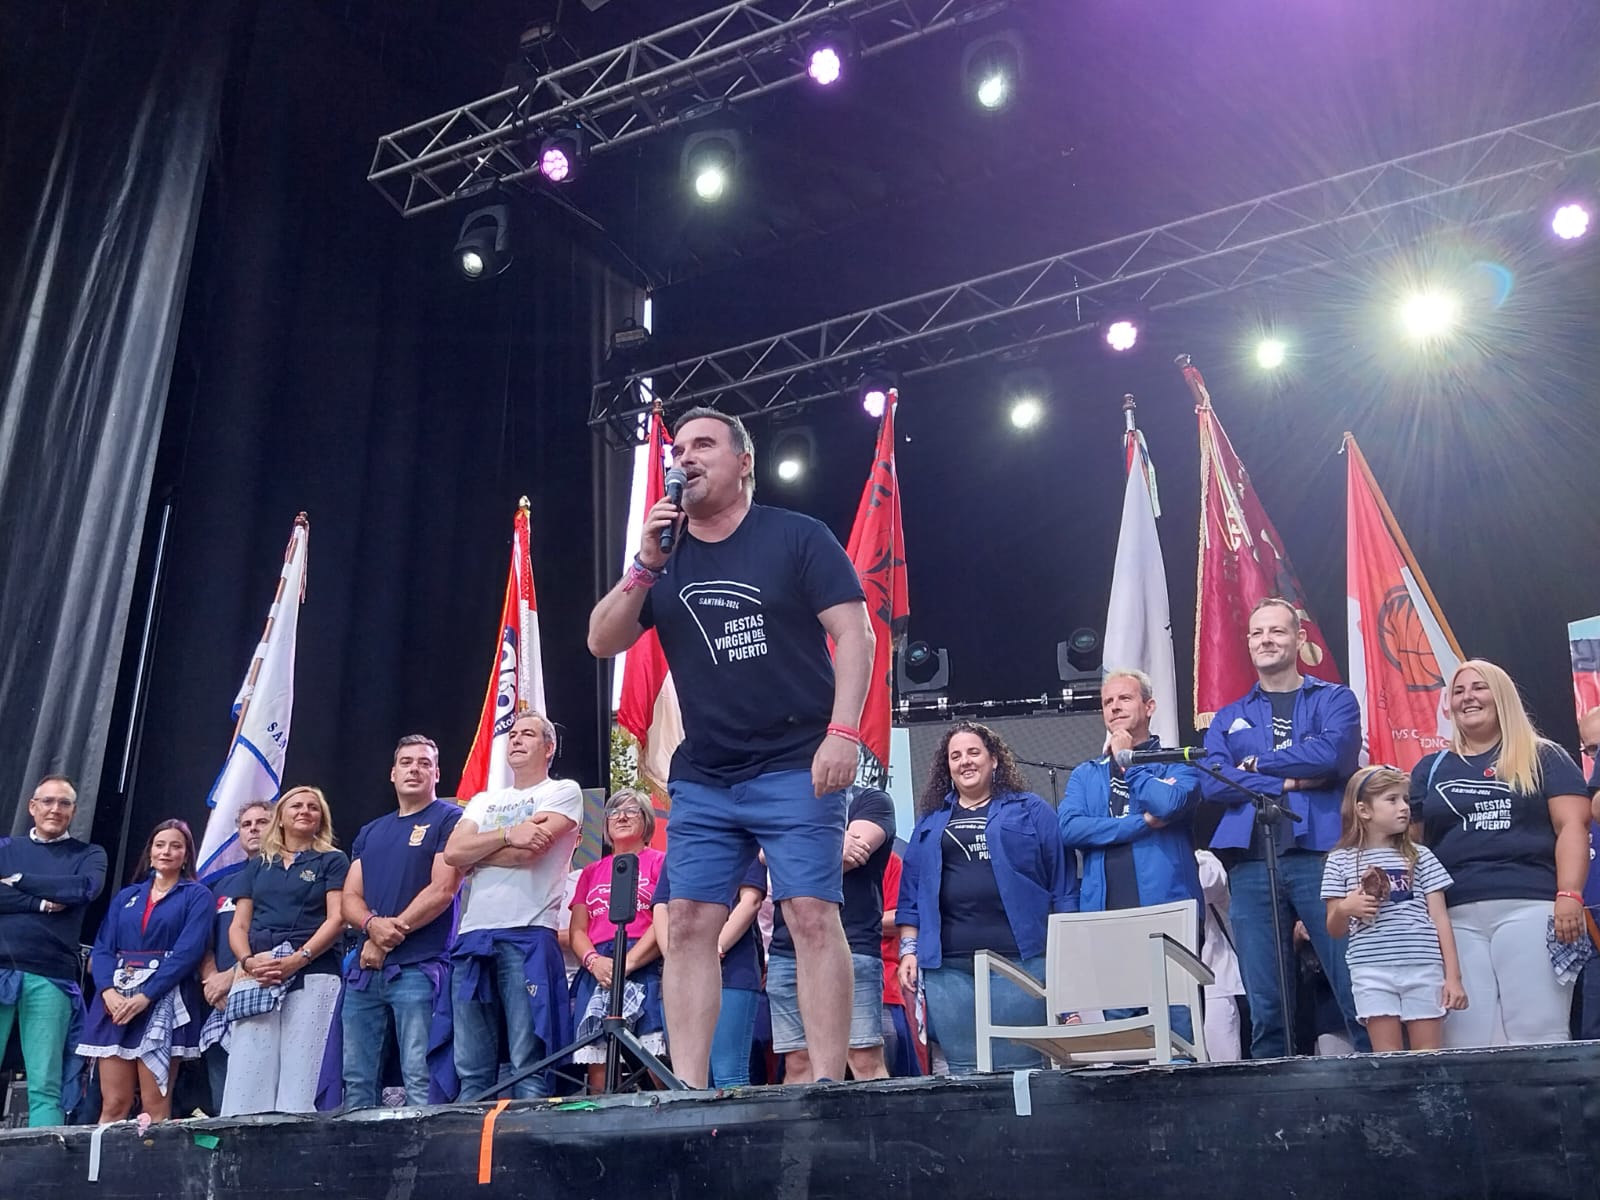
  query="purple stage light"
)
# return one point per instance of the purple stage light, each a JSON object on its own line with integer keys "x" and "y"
{"x": 555, "y": 164}
{"x": 825, "y": 66}
{"x": 1570, "y": 222}
{"x": 874, "y": 400}
{"x": 1121, "y": 335}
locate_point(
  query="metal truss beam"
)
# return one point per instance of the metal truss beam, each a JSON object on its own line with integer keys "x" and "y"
{"x": 731, "y": 55}
{"x": 1480, "y": 179}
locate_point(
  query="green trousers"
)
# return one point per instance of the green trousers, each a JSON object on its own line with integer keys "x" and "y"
{"x": 42, "y": 1014}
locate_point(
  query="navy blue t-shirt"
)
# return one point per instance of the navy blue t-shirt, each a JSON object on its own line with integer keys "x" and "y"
{"x": 396, "y": 854}
{"x": 741, "y": 965}
{"x": 738, "y": 621}
{"x": 1497, "y": 844}
{"x": 291, "y": 904}
{"x": 972, "y": 915}
{"x": 224, "y": 889}
{"x": 862, "y": 912}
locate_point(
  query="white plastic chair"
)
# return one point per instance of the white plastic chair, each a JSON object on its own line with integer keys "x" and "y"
{"x": 1128, "y": 958}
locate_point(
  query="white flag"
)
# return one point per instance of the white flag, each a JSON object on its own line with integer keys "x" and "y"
{"x": 261, "y": 711}
{"x": 1139, "y": 623}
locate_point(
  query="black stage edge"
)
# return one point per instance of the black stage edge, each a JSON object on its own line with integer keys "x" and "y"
{"x": 1487, "y": 1123}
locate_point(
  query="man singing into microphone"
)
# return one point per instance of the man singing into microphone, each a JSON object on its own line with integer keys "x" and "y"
{"x": 744, "y": 598}
{"x": 1132, "y": 822}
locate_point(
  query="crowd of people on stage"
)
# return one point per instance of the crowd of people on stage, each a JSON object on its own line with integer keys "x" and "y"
{"x": 780, "y": 937}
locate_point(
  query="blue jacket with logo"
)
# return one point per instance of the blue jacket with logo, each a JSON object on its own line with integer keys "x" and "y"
{"x": 1326, "y": 747}
{"x": 1030, "y": 869}
{"x": 1163, "y": 859}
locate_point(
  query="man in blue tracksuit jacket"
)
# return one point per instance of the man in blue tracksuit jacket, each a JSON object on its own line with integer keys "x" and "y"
{"x": 1297, "y": 739}
{"x": 1132, "y": 826}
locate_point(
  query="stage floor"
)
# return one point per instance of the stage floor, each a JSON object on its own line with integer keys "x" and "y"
{"x": 1496, "y": 1124}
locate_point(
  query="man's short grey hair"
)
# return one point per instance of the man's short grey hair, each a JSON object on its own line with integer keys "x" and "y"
{"x": 545, "y": 724}
{"x": 1147, "y": 689}
{"x": 238, "y": 817}
{"x": 739, "y": 435}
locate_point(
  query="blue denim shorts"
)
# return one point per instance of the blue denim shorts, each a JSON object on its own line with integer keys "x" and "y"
{"x": 716, "y": 831}
{"x": 866, "y": 1003}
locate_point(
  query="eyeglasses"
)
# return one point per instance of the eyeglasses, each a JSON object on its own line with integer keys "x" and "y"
{"x": 627, "y": 812}
{"x": 53, "y": 802}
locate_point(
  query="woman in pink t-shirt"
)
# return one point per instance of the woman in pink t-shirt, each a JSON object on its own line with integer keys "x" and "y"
{"x": 629, "y": 825}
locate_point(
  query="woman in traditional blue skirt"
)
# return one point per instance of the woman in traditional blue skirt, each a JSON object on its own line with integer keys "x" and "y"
{"x": 148, "y": 1007}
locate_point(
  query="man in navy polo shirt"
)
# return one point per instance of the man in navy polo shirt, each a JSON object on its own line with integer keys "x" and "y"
{"x": 401, "y": 894}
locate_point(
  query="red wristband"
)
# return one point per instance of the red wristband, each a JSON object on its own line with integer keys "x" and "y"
{"x": 845, "y": 731}
{"x": 1578, "y": 896}
{"x": 371, "y": 917}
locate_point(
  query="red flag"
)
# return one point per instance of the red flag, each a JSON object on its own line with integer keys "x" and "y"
{"x": 648, "y": 706}
{"x": 1401, "y": 649}
{"x": 877, "y": 548}
{"x": 1242, "y": 560}
{"x": 1583, "y": 641}
{"x": 516, "y": 683}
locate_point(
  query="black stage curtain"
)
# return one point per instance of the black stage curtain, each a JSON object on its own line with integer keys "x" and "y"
{"x": 336, "y": 364}
{"x": 107, "y": 116}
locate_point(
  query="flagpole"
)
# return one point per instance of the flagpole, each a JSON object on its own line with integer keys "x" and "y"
{"x": 1399, "y": 536}
{"x": 300, "y": 522}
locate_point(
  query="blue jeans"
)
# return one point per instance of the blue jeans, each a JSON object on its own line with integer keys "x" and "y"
{"x": 730, "y": 1044}
{"x": 367, "y": 1011}
{"x": 950, "y": 993}
{"x": 1177, "y": 1014}
{"x": 1299, "y": 897}
{"x": 477, "y": 1030}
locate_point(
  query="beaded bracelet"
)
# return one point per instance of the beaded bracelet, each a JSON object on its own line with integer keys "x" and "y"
{"x": 589, "y": 958}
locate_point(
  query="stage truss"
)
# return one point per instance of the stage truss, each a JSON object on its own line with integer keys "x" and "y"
{"x": 1482, "y": 179}
{"x": 725, "y": 57}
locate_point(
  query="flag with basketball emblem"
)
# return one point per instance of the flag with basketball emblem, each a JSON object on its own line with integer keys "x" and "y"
{"x": 1402, "y": 652}
{"x": 877, "y": 550}
{"x": 516, "y": 683}
{"x": 1242, "y": 561}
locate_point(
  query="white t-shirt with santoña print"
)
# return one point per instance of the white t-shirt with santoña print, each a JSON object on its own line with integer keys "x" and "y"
{"x": 518, "y": 897}
{"x": 1403, "y": 933}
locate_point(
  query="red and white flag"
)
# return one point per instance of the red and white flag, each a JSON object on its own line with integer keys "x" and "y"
{"x": 877, "y": 549}
{"x": 516, "y": 684}
{"x": 648, "y": 705}
{"x": 1402, "y": 652}
{"x": 1242, "y": 561}
{"x": 1139, "y": 619}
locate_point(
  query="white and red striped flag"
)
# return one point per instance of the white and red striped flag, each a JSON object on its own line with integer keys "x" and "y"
{"x": 1402, "y": 652}
{"x": 516, "y": 684}
{"x": 648, "y": 705}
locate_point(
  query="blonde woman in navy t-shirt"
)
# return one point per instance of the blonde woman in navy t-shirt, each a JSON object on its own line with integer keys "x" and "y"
{"x": 1505, "y": 812}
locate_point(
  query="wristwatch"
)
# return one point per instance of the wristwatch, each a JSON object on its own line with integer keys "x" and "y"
{"x": 305, "y": 954}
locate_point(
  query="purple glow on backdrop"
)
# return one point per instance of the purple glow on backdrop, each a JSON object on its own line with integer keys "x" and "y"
{"x": 1121, "y": 335}
{"x": 1571, "y": 221}
{"x": 825, "y": 66}
{"x": 555, "y": 164}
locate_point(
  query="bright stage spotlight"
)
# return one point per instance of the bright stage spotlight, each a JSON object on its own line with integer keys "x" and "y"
{"x": 825, "y": 66}
{"x": 708, "y": 161}
{"x": 1270, "y": 354}
{"x": 793, "y": 453}
{"x": 1570, "y": 221}
{"x": 561, "y": 155}
{"x": 829, "y": 52}
{"x": 873, "y": 388}
{"x": 1027, "y": 412}
{"x": 991, "y": 69}
{"x": 1122, "y": 334}
{"x": 483, "y": 246}
{"x": 1429, "y": 315}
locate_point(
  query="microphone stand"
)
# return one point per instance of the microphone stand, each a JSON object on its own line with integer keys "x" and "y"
{"x": 1051, "y": 768}
{"x": 1269, "y": 809}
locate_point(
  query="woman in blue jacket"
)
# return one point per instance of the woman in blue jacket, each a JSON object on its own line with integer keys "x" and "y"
{"x": 148, "y": 1007}
{"x": 984, "y": 870}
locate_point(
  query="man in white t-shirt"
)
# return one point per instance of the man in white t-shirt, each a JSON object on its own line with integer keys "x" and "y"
{"x": 516, "y": 844}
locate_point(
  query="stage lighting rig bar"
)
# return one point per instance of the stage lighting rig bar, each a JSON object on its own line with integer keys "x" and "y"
{"x": 728, "y": 56}
{"x": 1490, "y": 177}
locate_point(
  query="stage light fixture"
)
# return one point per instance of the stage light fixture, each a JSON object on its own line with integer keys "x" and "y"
{"x": 561, "y": 156}
{"x": 1078, "y": 658}
{"x": 1122, "y": 334}
{"x": 793, "y": 451}
{"x": 483, "y": 247}
{"x": 1427, "y": 316}
{"x": 1027, "y": 412}
{"x": 1270, "y": 354}
{"x": 1570, "y": 221}
{"x": 874, "y": 386}
{"x": 825, "y": 66}
{"x": 991, "y": 69}
{"x": 629, "y": 340}
{"x": 830, "y": 50}
{"x": 708, "y": 161}
{"x": 921, "y": 668}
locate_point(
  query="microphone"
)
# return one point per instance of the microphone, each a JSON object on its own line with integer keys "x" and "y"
{"x": 675, "y": 481}
{"x": 1162, "y": 754}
